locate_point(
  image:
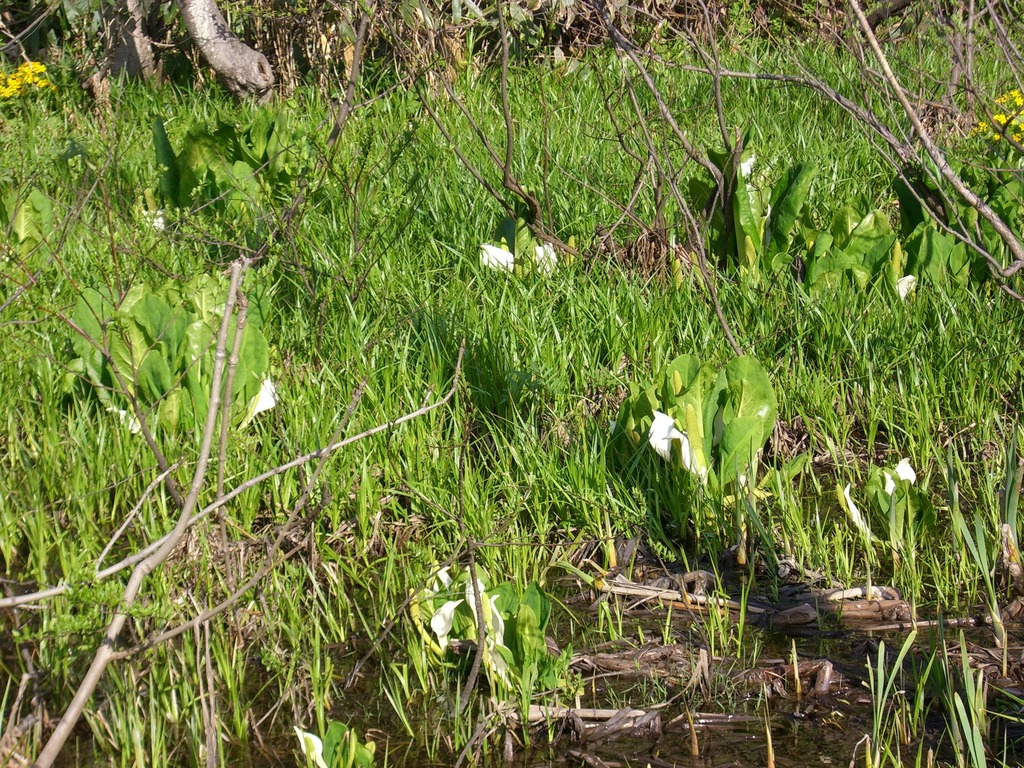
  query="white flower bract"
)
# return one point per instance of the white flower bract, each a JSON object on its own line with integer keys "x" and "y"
{"x": 905, "y": 285}
{"x": 545, "y": 258}
{"x": 903, "y": 471}
{"x": 906, "y": 472}
{"x": 127, "y": 419}
{"x": 661, "y": 434}
{"x": 497, "y": 258}
{"x": 311, "y": 747}
{"x": 856, "y": 517}
{"x": 267, "y": 398}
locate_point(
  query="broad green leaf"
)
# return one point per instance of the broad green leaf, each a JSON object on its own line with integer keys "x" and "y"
{"x": 208, "y": 297}
{"x": 820, "y": 260}
{"x": 506, "y": 231}
{"x": 930, "y": 254}
{"x": 748, "y": 218}
{"x": 844, "y": 223}
{"x": 679, "y": 376}
{"x": 749, "y": 392}
{"x": 741, "y": 444}
{"x": 787, "y": 203}
{"x": 748, "y": 255}
{"x": 127, "y": 343}
{"x": 32, "y": 220}
{"x": 696, "y": 409}
{"x": 912, "y": 212}
{"x": 154, "y": 377}
{"x": 699, "y": 435}
{"x": 506, "y": 599}
{"x": 93, "y": 310}
{"x": 170, "y": 177}
{"x": 870, "y": 241}
{"x": 171, "y": 410}
{"x": 132, "y": 296}
{"x": 153, "y": 316}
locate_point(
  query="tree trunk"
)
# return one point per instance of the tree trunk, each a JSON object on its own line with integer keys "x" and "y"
{"x": 131, "y": 52}
{"x": 244, "y": 71}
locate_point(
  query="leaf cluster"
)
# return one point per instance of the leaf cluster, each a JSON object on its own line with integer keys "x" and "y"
{"x": 157, "y": 345}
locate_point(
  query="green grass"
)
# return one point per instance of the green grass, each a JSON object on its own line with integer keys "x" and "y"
{"x": 380, "y": 281}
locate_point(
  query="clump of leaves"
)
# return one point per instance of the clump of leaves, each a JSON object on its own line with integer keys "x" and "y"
{"x": 764, "y": 221}
{"x": 712, "y": 423}
{"x": 28, "y": 217}
{"x": 515, "y": 249}
{"x": 860, "y": 248}
{"x": 157, "y": 345}
{"x": 228, "y": 168}
{"x": 339, "y": 748}
{"x": 515, "y": 654}
{"x": 896, "y": 512}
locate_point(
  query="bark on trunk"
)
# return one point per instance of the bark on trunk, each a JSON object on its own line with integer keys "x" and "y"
{"x": 244, "y": 71}
{"x": 132, "y": 52}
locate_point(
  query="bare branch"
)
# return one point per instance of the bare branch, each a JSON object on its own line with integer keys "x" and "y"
{"x": 1013, "y": 245}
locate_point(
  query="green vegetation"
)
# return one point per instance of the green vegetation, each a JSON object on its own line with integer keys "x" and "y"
{"x": 483, "y": 519}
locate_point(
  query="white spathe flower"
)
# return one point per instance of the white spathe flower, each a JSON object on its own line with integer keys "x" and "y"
{"x": 311, "y": 747}
{"x": 127, "y": 418}
{"x": 858, "y": 519}
{"x": 495, "y": 623}
{"x": 905, "y": 285}
{"x": 545, "y": 258}
{"x": 267, "y": 398}
{"x": 498, "y": 258}
{"x": 444, "y": 577}
{"x": 906, "y": 472}
{"x": 747, "y": 166}
{"x": 441, "y": 622}
{"x": 661, "y": 434}
{"x": 264, "y": 400}
{"x": 903, "y": 471}
{"x": 890, "y": 484}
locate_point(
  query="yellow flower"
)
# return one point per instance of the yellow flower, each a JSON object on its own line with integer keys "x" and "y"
{"x": 29, "y": 74}
{"x": 1014, "y": 96}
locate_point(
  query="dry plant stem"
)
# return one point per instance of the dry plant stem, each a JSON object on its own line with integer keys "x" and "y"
{"x": 243, "y": 487}
{"x": 1012, "y": 55}
{"x": 225, "y": 423}
{"x": 1013, "y": 245}
{"x": 270, "y": 560}
{"x": 698, "y": 237}
{"x": 106, "y": 651}
{"x": 630, "y": 52}
{"x": 131, "y": 515}
{"x": 347, "y": 106}
{"x": 507, "y": 179}
{"x": 229, "y": 385}
{"x": 207, "y": 697}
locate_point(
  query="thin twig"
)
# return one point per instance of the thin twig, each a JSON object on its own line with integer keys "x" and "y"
{"x": 984, "y": 210}
{"x": 105, "y": 652}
